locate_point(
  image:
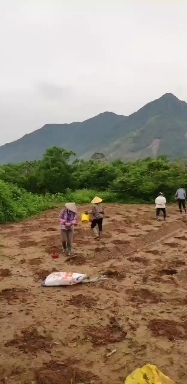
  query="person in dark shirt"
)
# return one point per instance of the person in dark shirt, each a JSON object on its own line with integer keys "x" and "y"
{"x": 97, "y": 213}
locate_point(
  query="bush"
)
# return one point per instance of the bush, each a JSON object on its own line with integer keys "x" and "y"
{"x": 31, "y": 187}
{"x": 17, "y": 204}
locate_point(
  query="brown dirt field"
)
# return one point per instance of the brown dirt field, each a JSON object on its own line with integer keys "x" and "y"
{"x": 65, "y": 335}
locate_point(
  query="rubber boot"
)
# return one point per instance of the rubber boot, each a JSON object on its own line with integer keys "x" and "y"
{"x": 64, "y": 246}
{"x": 100, "y": 234}
{"x": 69, "y": 247}
{"x": 95, "y": 231}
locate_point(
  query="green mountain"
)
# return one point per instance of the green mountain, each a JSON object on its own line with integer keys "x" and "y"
{"x": 160, "y": 127}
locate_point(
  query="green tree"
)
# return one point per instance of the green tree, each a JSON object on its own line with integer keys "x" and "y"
{"x": 54, "y": 171}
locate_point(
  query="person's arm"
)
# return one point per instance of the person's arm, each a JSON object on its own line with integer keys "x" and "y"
{"x": 74, "y": 221}
{"x": 184, "y": 193}
{"x": 93, "y": 211}
{"x": 165, "y": 200}
{"x": 176, "y": 195}
{"x": 61, "y": 217}
{"x": 156, "y": 200}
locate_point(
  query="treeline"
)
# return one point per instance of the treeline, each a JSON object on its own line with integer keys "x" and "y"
{"x": 138, "y": 181}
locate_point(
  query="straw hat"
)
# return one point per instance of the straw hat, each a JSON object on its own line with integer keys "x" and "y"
{"x": 71, "y": 207}
{"x": 96, "y": 200}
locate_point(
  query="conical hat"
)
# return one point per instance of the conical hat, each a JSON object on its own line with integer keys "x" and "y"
{"x": 71, "y": 206}
{"x": 96, "y": 200}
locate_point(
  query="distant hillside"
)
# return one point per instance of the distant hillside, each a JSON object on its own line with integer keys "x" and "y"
{"x": 160, "y": 127}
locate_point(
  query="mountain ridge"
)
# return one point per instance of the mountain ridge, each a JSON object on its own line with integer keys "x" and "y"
{"x": 117, "y": 136}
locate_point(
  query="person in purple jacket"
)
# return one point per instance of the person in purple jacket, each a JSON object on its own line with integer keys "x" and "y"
{"x": 68, "y": 219}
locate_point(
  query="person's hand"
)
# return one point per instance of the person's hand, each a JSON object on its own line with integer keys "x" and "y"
{"x": 62, "y": 221}
{"x": 67, "y": 224}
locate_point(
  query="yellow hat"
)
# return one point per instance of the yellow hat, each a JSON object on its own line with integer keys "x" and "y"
{"x": 96, "y": 200}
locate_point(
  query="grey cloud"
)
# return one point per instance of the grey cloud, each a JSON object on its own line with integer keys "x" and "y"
{"x": 64, "y": 61}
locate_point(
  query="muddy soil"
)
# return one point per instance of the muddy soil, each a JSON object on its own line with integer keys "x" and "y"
{"x": 65, "y": 335}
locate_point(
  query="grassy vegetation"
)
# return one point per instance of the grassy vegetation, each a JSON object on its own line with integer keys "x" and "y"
{"x": 29, "y": 188}
{"x": 17, "y": 204}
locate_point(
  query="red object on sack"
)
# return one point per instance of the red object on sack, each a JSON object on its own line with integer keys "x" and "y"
{"x": 55, "y": 255}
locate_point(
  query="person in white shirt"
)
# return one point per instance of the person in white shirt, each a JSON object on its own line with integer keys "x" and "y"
{"x": 160, "y": 202}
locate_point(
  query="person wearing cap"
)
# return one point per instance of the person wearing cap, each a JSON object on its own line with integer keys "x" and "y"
{"x": 160, "y": 202}
{"x": 68, "y": 219}
{"x": 181, "y": 197}
{"x": 97, "y": 213}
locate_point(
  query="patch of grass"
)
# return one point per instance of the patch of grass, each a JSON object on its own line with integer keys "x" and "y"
{"x": 17, "y": 204}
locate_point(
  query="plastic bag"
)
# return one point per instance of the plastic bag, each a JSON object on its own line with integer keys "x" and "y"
{"x": 148, "y": 374}
{"x": 56, "y": 279}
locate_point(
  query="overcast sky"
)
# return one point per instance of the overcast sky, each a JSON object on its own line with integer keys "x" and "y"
{"x": 68, "y": 60}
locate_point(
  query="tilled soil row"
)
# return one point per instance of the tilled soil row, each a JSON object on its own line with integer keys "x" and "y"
{"x": 145, "y": 241}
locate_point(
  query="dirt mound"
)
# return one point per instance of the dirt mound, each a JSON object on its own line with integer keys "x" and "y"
{"x": 180, "y": 237}
{"x": 76, "y": 260}
{"x": 171, "y": 244}
{"x": 115, "y": 274}
{"x": 143, "y": 295}
{"x": 59, "y": 373}
{"x": 12, "y": 294}
{"x": 136, "y": 259}
{"x": 153, "y": 251}
{"x": 118, "y": 241}
{"x": 176, "y": 264}
{"x": 53, "y": 249}
{"x": 31, "y": 341}
{"x": 104, "y": 335}
{"x": 99, "y": 249}
{"x": 168, "y": 328}
{"x": 168, "y": 272}
{"x": 43, "y": 273}
{"x": 5, "y": 272}
{"x": 36, "y": 261}
{"x": 27, "y": 243}
{"x": 82, "y": 301}
{"x": 140, "y": 293}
